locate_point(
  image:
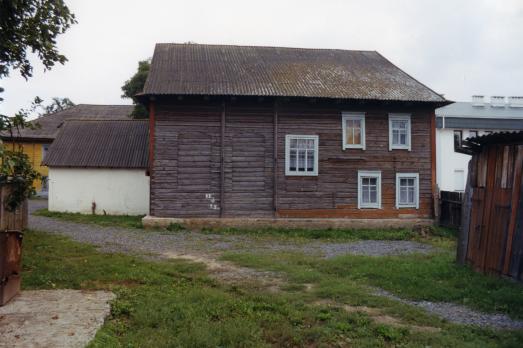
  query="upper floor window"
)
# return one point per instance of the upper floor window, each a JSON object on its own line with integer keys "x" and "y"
{"x": 473, "y": 133}
{"x": 353, "y": 130}
{"x": 45, "y": 149}
{"x": 407, "y": 190}
{"x": 301, "y": 155}
{"x": 399, "y": 131}
{"x": 458, "y": 137}
{"x": 369, "y": 189}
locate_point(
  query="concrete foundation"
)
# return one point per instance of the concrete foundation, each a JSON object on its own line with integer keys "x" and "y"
{"x": 198, "y": 223}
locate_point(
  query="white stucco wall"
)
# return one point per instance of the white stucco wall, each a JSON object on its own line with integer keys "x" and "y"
{"x": 450, "y": 165}
{"x": 117, "y": 191}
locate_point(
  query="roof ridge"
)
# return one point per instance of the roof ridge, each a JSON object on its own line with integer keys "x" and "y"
{"x": 261, "y": 46}
{"x": 104, "y": 119}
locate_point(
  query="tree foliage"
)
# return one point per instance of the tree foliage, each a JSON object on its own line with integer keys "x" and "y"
{"x": 135, "y": 85}
{"x": 15, "y": 166}
{"x": 31, "y": 25}
{"x": 27, "y": 26}
{"x": 57, "y": 104}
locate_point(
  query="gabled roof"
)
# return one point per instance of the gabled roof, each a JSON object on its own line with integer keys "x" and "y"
{"x": 469, "y": 110}
{"x": 100, "y": 144}
{"x": 192, "y": 69}
{"x": 47, "y": 126}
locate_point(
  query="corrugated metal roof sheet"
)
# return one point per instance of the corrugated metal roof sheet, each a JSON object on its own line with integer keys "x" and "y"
{"x": 468, "y": 110}
{"x": 47, "y": 126}
{"x": 100, "y": 144}
{"x": 192, "y": 69}
{"x": 475, "y": 144}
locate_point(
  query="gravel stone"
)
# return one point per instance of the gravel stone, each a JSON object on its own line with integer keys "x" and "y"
{"x": 459, "y": 314}
{"x": 117, "y": 239}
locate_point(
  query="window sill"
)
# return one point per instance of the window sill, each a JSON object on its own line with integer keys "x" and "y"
{"x": 353, "y": 147}
{"x": 301, "y": 174}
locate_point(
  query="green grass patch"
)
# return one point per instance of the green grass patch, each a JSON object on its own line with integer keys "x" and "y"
{"x": 431, "y": 277}
{"x": 175, "y": 303}
{"x": 322, "y": 234}
{"x": 128, "y": 221}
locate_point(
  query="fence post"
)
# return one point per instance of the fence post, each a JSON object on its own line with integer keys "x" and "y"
{"x": 466, "y": 208}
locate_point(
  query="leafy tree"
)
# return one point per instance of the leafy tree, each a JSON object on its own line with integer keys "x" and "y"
{"x": 57, "y": 104}
{"x": 27, "y": 25}
{"x": 15, "y": 166}
{"x": 31, "y": 25}
{"x": 135, "y": 85}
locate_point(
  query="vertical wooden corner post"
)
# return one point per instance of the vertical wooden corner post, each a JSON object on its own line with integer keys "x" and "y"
{"x": 466, "y": 209}
{"x": 435, "y": 195}
{"x": 222, "y": 160}
{"x": 275, "y": 160}
{"x": 152, "y": 121}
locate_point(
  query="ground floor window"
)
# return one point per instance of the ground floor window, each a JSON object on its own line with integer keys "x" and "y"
{"x": 301, "y": 155}
{"x": 369, "y": 189}
{"x": 407, "y": 190}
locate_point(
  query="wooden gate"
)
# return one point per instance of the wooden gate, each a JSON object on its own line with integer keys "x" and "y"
{"x": 491, "y": 236}
{"x": 450, "y": 209}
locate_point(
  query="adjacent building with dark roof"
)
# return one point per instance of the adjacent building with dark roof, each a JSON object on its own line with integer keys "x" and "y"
{"x": 99, "y": 166}
{"x": 243, "y": 131}
{"x": 36, "y": 141}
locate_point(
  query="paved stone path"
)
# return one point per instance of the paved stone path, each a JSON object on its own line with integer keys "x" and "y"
{"x": 53, "y": 318}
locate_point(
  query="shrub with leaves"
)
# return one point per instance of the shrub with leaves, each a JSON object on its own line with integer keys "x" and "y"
{"x": 16, "y": 169}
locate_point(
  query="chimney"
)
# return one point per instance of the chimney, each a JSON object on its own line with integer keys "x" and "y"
{"x": 477, "y": 100}
{"x": 515, "y": 102}
{"x": 497, "y": 101}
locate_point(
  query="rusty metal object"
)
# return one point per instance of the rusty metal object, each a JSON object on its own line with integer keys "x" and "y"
{"x": 10, "y": 264}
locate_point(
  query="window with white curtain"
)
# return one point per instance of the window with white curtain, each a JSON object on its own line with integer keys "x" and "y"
{"x": 399, "y": 131}
{"x": 301, "y": 155}
{"x": 407, "y": 190}
{"x": 369, "y": 189}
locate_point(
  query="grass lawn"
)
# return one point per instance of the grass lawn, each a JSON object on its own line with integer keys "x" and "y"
{"x": 175, "y": 303}
{"x": 128, "y": 221}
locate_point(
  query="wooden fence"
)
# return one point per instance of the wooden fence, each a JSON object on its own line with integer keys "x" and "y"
{"x": 450, "y": 209}
{"x": 12, "y": 220}
{"x": 491, "y": 237}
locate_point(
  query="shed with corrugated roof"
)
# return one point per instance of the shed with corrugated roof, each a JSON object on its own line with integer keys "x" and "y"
{"x": 99, "y": 166}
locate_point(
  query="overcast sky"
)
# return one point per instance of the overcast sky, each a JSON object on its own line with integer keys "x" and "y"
{"x": 457, "y": 48}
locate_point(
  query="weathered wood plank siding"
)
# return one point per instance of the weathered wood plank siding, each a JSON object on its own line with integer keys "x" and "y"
{"x": 186, "y": 175}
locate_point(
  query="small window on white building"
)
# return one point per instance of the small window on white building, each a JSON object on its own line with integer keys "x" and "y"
{"x": 473, "y": 133}
{"x": 459, "y": 180}
{"x": 458, "y": 138}
{"x": 353, "y": 130}
{"x": 399, "y": 131}
{"x": 369, "y": 189}
{"x": 407, "y": 190}
{"x": 301, "y": 155}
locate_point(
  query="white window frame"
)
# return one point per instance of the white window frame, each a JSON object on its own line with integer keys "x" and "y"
{"x": 400, "y": 117}
{"x": 416, "y": 187}
{"x": 360, "y": 116}
{"x": 288, "y": 139}
{"x": 372, "y": 174}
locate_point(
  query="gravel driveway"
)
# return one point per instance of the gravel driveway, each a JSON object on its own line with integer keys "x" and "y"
{"x": 117, "y": 239}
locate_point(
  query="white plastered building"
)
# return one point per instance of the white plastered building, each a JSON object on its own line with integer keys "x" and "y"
{"x": 462, "y": 120}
